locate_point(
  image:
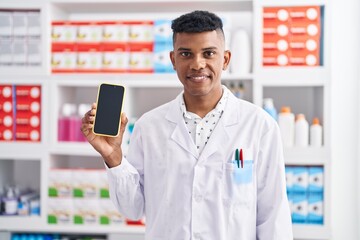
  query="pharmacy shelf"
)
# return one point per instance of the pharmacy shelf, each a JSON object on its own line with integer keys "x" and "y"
{"x": 37, "y": 224}
{"x": 157, "y": 80}
{"x": 306, "y": 156}
{"x": 311, "y": 232}
{"x": 111, "y": 6}
{"x": 293, "y": 76}
{"x": 22, "y": 151}
{"x": 74, "y": 149}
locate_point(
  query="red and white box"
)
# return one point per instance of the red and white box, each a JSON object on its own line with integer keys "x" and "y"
{"x": 28, "y": 113}
{"x": 6, "y": 113}
{"x": 89, "y": 58}
{"x": 115, "y": 32}
{"x": 63, "y": 32}
{"x": 116, "y": 57}
{"x": 141, "y": 58}
{"x": 63, "y": 58}
{"x": 89, "y": 32}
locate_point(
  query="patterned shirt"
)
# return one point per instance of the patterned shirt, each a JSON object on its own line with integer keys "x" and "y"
{"x": 200, "y": 129}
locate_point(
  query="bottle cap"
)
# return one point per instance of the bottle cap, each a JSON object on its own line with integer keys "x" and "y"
{"x": 68, "y": 109}
{"x": 316, "y": 121}
{"x": 286, "y": 109}
{"x": 300, "y": 116}
{"x": 83, "y": 108}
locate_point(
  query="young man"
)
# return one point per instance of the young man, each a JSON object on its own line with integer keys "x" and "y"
{"x": 205, "y": 165}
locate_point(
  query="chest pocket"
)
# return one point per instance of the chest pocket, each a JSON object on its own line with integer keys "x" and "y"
{"x": 239, "y": 180}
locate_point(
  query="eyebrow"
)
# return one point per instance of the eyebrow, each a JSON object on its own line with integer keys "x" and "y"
{"x": 188, "y": 49}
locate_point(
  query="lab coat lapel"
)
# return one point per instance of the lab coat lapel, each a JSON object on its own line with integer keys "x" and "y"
{"x": 222, "y": 132}
{"x": 180, "y": 134}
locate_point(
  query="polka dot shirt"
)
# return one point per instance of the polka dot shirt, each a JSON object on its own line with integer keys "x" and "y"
{"x": 200, "y": 129}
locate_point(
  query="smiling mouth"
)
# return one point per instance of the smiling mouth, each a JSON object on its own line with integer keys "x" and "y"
{"x": 198, "y": 78}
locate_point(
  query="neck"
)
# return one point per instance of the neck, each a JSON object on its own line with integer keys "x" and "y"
{"x": 202, "y": 105}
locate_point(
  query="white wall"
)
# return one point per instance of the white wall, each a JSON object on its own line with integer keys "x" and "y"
{"x": 345, "y": 117}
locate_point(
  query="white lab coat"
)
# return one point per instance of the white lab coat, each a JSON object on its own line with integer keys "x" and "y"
{"x": 186, "y": 196}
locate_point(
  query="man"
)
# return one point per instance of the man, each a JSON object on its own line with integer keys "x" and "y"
{"x": 205, "y": 165}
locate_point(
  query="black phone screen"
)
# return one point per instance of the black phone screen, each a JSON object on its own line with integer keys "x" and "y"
{"x": 108, "y": 110}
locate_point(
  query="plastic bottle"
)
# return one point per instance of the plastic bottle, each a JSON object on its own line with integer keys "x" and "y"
{"x": 240, "y": 46}
{"x": 10, "y": 202}
{"x": 68, "y": 110}
{"x": 316, "y": 133}
{"x": 268, "y": 105}
{"x": 301, "y": 131}
{"x": 76, "y": 123}
{"x": 286, "y": 120}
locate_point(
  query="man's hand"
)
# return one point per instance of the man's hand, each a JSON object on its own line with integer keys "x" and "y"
{"x": 108, "y": 147}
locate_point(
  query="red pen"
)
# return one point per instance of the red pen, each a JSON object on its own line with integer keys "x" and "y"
{"x": 241, "y": 158}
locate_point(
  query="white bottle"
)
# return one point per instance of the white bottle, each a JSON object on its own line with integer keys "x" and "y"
{"x": 286, "y": 120}
{"x": 316, "y": 133}
{"x": 240, "y": 47}
{"x": 301, "y": 131}
{"x": 268, "y": 105}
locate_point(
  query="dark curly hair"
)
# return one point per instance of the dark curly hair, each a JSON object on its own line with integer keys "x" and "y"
{"x": 197, "y": 22}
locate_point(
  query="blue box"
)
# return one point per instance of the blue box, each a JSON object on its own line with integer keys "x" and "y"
{"x": 315, "y": 209}
{"x": 299, "y": 211}
{"x": 289, "y": 179}
{"x": 300, "y": 179}
{"x": 162, "y": 62}
{"x": 162, "y": 31}
{"x": 316, "y": 179}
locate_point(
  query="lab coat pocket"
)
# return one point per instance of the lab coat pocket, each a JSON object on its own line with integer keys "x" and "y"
{"x": 238, "y": 182}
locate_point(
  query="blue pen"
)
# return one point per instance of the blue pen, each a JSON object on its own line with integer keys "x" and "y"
{"x": 237, "y": 157}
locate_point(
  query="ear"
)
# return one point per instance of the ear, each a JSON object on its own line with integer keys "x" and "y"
{"x": 227, "y": 57}
{"x": 172, "y": 58}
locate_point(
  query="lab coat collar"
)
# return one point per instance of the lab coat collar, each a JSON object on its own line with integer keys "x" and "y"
{"x": 221, "y": 132}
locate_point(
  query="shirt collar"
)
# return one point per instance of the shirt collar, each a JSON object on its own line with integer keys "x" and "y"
{"x": 219, "y": 108}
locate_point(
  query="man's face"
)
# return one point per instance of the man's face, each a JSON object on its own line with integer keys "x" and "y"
{"x": 199, "y": 59}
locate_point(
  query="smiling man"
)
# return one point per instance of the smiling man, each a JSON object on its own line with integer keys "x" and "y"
{"x": 206, "y": 165}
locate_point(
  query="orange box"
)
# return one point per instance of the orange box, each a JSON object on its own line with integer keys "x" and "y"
{"x": 305, "y": 13}
{"x": 275, "y": 15}
{"x": 304, "y": 58}
{"x": 305, "y": 28}
{"x": 276, "y": 59}
{"x": 275, "y": 43}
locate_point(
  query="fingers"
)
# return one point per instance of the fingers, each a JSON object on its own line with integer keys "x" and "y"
{"x": 88, "y": 121}
{"x": 124, "y": 121}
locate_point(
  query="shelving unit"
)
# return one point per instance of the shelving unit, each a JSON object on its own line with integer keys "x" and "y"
{"x": 307, "y": 89}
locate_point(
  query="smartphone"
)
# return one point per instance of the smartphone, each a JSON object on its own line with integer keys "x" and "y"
{"x": 108, "y": 111}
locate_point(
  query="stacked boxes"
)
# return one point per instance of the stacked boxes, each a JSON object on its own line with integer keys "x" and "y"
{"x": 111, "y": 46}
{"x": 20, "y": 113}
{"x": 292, "y": 36}
{"x": 20, "y": 38}
{"x": 80, "y": 197}
{"x": 305, "y": 188}
{"x": 6, "y": 113}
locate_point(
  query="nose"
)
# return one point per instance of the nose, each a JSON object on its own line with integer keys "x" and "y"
{"x": 198, "y": 63}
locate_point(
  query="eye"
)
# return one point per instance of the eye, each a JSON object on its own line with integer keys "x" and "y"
{"x": 209, "y": 54}
{"x": 185, "y": 54}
